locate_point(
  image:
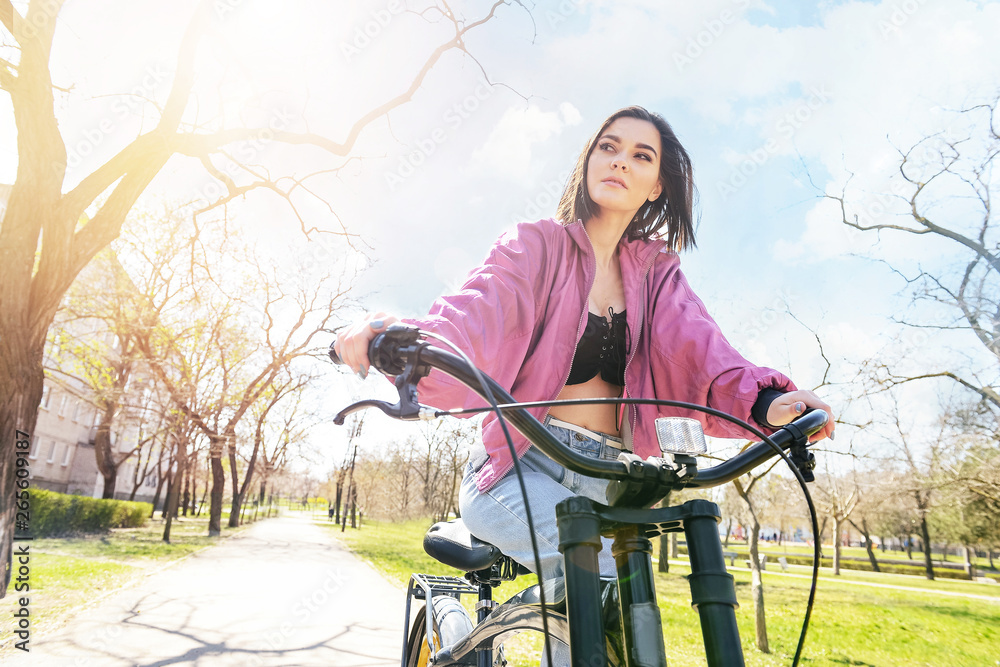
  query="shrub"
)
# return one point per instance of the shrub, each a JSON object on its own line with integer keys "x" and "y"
{"x": 54, "y": 513}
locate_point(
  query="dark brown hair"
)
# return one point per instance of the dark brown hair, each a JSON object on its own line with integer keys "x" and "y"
{"x": 673, "y": 208}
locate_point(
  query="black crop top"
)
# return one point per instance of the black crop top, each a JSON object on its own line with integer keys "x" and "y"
{"x": 602, "y": 349}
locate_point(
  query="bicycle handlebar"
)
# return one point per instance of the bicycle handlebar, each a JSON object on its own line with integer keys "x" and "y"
{"x": 397, "y": 351}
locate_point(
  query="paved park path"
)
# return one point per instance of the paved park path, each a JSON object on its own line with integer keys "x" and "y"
{"x": 283, "y": 593}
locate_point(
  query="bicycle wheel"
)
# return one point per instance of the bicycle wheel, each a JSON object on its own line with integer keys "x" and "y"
{"x": 453, "y": 623}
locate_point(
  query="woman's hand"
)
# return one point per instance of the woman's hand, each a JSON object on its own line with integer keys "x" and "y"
{"x": 352, "y": 343}
{"x": 788, "y": 406}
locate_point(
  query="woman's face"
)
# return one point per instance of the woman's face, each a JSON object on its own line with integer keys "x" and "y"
{"x": 623, "y": 170}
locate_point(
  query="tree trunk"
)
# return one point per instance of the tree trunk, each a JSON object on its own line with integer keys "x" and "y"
{"x": 173, "y": 494}
{"x": 189, "y": 466}
{"x": 350, "y": 490}
{"x": 237, "y": 503}
{"x": 664, "y": 563}
{"x": 926, "y": 536}
{"x": 907, "y": 544}
{"x": 837, "y": 521}
{"x": 757, "y": 590}
{"x": 159, "y": 489}
{"x": 354, "y": 506}
{"x": 21, "y": 383}
{"x": 819, "y": 538}
{"x": 967, "y": 564}
{"x": 863, "y": 529}
{"x": 170, "y": 490}
{"x": 339, "y": 496}
{"x": 215, "y": 446}
{"x": 104, "y": 450}
{"x": 204, "y": 494}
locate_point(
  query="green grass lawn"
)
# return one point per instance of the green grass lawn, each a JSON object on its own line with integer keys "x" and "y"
{"x": 67, "y": 573}
{"x": 851, "y": 624}
{"x": 982, "y": 563}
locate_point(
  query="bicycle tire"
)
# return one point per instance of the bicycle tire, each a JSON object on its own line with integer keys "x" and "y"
{"x": 452, "y": 623}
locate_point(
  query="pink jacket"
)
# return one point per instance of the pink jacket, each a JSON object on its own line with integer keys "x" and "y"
{"x": 521, "y": 313}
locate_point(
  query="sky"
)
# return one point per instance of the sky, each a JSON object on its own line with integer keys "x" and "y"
{"x": 776, "y": 102}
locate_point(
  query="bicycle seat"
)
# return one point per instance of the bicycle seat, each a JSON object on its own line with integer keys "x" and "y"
{"x": 451, "y": 543}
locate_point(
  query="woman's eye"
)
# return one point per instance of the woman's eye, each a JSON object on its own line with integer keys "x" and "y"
{"x": 644, "y": 157}
{"x": 606, "y": 146}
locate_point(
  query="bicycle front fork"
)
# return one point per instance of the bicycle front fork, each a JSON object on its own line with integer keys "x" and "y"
{"x": 582, "y": 521}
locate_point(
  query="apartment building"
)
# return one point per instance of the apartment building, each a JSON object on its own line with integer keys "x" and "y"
{"x": 62, "y": 446}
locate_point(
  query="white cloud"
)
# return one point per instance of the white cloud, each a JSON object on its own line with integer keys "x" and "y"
{"x": 508, "y": 149}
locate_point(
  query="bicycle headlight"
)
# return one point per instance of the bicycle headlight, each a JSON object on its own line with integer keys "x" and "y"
{"x": 680, "y": 435}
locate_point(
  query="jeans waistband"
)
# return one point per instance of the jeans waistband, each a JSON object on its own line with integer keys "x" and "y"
{"x": 602, "y": 438}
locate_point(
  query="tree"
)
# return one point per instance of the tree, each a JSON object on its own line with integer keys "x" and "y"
{"x": 92, "y": 335}
{"x": 206, "y": 318}
{"x": 943, "y": 196}
{"x": 52, "y": 228}
{"x": 275, "y": 393}
{"x": 838, "y": 496}
{"x": 757, "y": 497}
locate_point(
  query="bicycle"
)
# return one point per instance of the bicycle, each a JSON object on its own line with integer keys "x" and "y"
{"x": 620, "y": 624}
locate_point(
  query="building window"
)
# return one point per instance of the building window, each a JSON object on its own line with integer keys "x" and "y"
{"x": 52, "y": 453}
{"x": 33, "y": 454}
{"x": 62, "y": 405}
{"x": 65, "y": 461}
{"x": 46, "y": 396}
{"x": 76, "y": 412}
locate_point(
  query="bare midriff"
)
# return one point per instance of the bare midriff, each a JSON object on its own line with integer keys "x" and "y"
{"x": 594, "y": 417}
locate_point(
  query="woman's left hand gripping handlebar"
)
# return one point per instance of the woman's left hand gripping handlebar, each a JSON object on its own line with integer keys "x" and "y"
{"x": 352, "y": 342}
{"x": 788, "y": 407}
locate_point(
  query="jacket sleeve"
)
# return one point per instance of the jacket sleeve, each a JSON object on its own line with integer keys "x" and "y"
{"x": 703, "y": 366}
{"x": 491, "y": 318}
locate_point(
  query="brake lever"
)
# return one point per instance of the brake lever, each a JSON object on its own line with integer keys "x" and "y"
{"x": 407, "y": 408}
{"x": 799, "y": 453}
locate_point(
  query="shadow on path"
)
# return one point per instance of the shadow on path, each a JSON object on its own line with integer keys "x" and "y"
{"x": 284, "y": 593}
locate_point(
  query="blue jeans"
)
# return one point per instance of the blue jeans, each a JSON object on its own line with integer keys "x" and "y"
{"x": 498, "y": 515}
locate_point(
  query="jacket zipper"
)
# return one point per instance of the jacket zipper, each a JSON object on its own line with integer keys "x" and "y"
{"x": 635, "y": 346}
{"x": 583, "y": 315}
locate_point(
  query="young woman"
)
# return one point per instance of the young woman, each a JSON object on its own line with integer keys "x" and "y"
{"x": 593, "y": 305}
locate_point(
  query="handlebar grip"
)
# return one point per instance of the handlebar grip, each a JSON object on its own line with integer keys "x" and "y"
{"x": 384, "y": 348}
{"x": 373, "y": 351}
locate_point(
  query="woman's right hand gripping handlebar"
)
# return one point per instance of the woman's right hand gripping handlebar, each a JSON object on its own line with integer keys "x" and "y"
{"x": 352, "y": 342}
